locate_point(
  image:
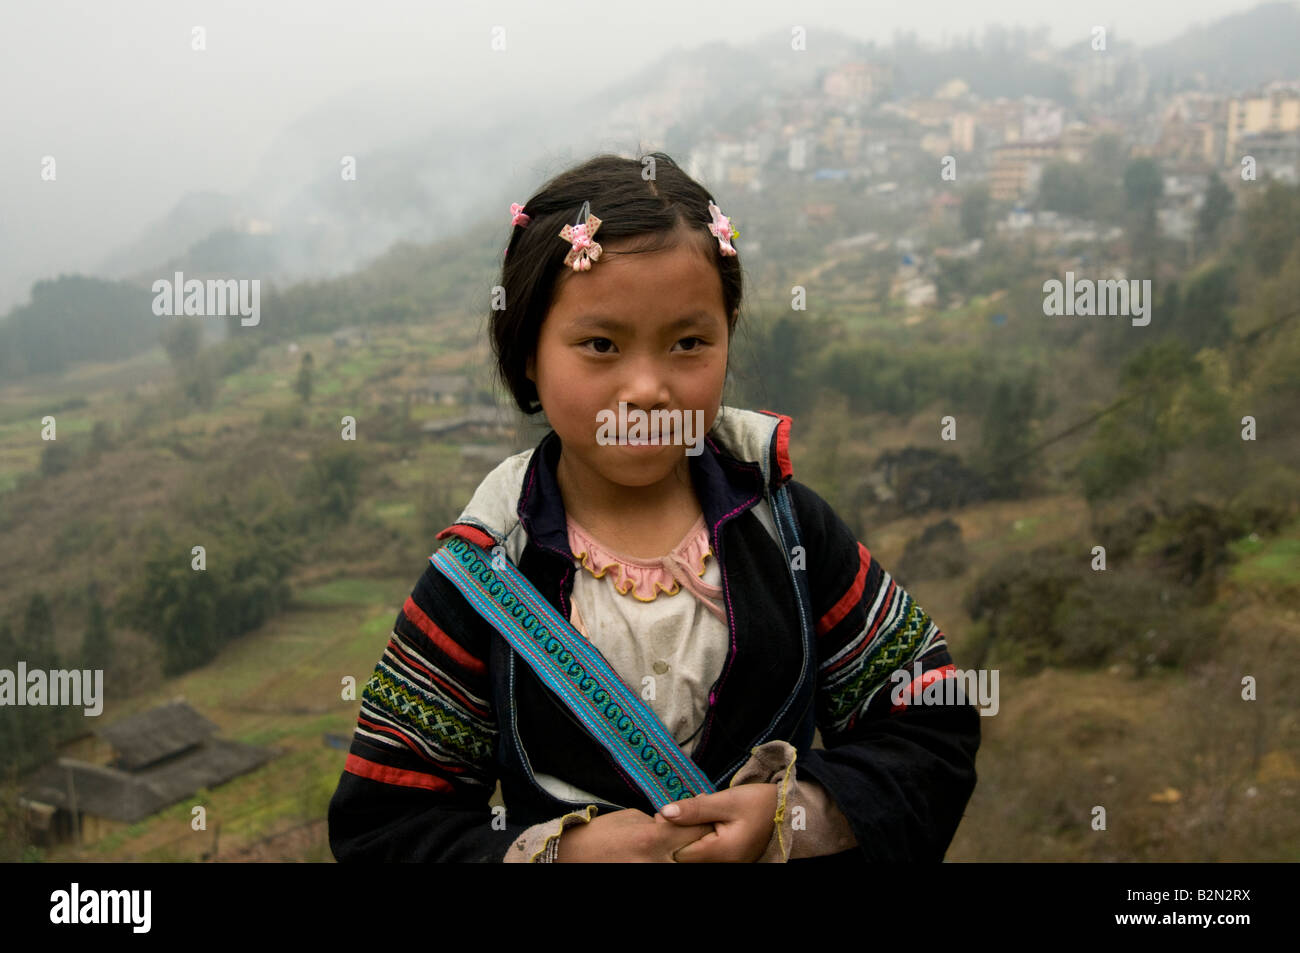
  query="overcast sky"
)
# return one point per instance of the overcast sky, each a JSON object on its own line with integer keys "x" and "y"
{"x": 135, "y": 118}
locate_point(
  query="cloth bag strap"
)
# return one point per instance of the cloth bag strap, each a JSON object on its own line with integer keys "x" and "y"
{"x": 574, "y": 670}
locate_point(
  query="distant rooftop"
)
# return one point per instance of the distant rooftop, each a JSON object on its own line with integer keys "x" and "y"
{"x": 158, "y": 733}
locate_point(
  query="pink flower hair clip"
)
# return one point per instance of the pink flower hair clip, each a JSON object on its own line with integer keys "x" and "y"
{"x": 584, "y": 250}
{"x": 722, "y": 228}
{"x": 517, "y": 217}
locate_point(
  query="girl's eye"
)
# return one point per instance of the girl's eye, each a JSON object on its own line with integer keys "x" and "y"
{"x": 598, "y": 350}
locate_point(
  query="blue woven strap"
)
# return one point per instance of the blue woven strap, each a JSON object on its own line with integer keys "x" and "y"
{"x": 572, "y": 668}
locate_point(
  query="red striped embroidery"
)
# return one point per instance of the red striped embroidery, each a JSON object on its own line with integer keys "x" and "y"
{"x": 850, "y": 598}
{"x": 441, "y": 639}
{"x": 386, "y": 775}
{"x": 448, "y": 687}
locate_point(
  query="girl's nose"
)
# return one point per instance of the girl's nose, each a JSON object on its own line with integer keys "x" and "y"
{"x": 645, "y": 388}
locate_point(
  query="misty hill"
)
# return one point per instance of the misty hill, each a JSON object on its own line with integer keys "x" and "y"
{"x": 429, "y": 175}
{"x": 1233, "y": 53}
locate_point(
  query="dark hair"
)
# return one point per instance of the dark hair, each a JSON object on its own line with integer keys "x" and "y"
{"x": 660, "y": 210}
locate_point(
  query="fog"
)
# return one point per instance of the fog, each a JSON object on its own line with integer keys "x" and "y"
{"x": 136, "y": 119}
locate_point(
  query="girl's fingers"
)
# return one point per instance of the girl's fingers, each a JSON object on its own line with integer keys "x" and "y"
{"x": 700, "y": 810}
{"x": 699, "y": 850}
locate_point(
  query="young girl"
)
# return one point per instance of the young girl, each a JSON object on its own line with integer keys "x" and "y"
{"x": 724, "y": 593}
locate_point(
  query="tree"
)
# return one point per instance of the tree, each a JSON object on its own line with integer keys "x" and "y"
{"x": 1106, "y": 155}
{"x": 781, "y": 350}
{"x": 1143, "y": 186}
{"x": 191, "y": 614}
{"x": 178, "y": 607}
{"x": 954, "y": 279}
{"x": 1064, "y": 187}
{"x": 37, "y": 644}
{"x": 975, "y": 211}
{"x": 182, "y": 339}
{"x": 1270, "y": 226}
{"x": 97, "y": 646}
{"x": 1203, "y": 319}
{"x": 1136, "y": 438}
{"x": 40, "y": 726}
{"x": 101, "y": 437}
{"x": 1006, "y": 433}
{"x": 74, "y": 318}
{"x": 9, "y": 654}
{"x": 304, "y": 383}
{"x": 57, "y": 457}
{"x": 1170, "y": 306}
{"x": 10, "y": 735}
{"x": 1215, "y": 209}
{"x": 201, "y": 383}
{"x": 331, "y": 484}
{"x": 196, "y": 369}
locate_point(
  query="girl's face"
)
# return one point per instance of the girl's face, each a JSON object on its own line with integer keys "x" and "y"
{"x": 649, "y": 329}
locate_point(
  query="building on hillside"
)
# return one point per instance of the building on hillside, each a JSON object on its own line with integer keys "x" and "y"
{"x": 1040, "y": 120}
{"x": 961, "y": 132}
{"x": 1017, "y": 167}
{"x": 999, "y": 121}
{"x": 1276, "y": 154}
{"x": 1076, "y": 140}
{"x": 476, "y": 423}
{"x": 442, "y": 389}
{"x": 1192, "y": 130}
{"x": 860, "y": 83}
{"x": 1276, "y": 111}
{"x": 161, "y": 756}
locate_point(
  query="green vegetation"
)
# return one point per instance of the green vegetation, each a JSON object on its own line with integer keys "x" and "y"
{"x": 192, "y": 608}
{"x": 1270, "y": 564}
{"x": 74, "y": 318}
{"x": 342, "y": 592}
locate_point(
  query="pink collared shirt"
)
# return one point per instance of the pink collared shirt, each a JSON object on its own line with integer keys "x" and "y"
{"x": 669, "y": 647}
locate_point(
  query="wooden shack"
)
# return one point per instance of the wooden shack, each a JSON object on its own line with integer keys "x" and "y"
{"x": 160, "y": 757}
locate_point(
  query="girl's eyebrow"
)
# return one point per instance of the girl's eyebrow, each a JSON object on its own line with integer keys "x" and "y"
{"x": 601, "y": 323}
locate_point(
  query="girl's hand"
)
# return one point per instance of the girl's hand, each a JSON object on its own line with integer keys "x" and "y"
{"x": 629, "y": 836}
{"x": 743, "y": 820}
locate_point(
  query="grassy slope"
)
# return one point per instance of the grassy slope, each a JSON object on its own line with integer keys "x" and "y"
{"x": 1063, "y": 743}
